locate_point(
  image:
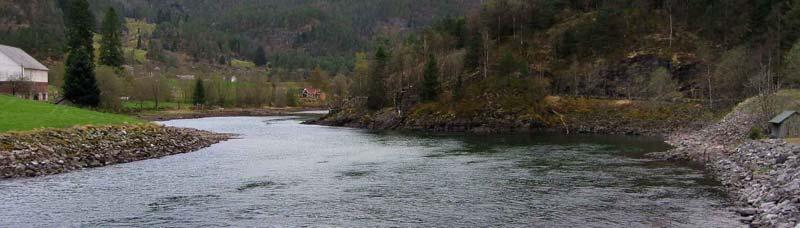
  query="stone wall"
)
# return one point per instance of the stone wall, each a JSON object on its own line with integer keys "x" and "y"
{"x": 25, "y": 89}
{"x": 45, "y": 152}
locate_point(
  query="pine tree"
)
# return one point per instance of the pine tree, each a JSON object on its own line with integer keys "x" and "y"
{"x": 472, "y": 60}
{"x": 139, "y": 39}
{"x": 319, "y": 79}
{"x": 199, "y": 96}
{"x": 292, "y": 99}
{"x": 79, "y": 23}
{"x": 111, "y": 45}
{"x": 430, "y": 81}
{"x": 80, "y": 85}
{"x": 261, "y": 57}
{"x": 377, "y": 90}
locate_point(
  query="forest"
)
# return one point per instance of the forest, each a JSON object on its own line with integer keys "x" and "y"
{"x": 509, "y": 55}
{"x": 294, "y": 34}
{"x": 463, "y": 56}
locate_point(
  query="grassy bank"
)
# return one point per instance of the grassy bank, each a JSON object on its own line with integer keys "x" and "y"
{"x": 22, "y": 115}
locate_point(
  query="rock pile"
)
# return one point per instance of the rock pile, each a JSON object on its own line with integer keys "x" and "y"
{"x": 55, "y": 151}
{"x": 764, "y": 175}
{"x": 767, "y": 174}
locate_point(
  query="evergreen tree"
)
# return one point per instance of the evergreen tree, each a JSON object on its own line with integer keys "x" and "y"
{"x": 292, "y": 99}
{"x": 430, "y": 81}
{"x": 199, "y": 96}
{"x": 791, "y": 65}
{"x": 111, "y": 45}
{"x": 319, "y": 79}
{"x": 79, "y": 22}
{"x": 155, "y": 51}
{"x": 139, "y": 39}
{"x": 80, "y": 84}
{"x": 458, "y": 90}
{"x": 261, "y": 57}
{"x": 472, "y": 60}
{"x": 377, "y": 89}
{"x": 509, "y": 65}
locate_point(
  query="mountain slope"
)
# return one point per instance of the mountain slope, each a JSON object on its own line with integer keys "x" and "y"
{"x": 295, "y": 33}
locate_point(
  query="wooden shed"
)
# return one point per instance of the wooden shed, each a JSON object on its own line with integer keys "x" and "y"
{"x": 785, "y": 125}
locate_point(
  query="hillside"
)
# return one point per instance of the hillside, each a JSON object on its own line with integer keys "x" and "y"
{"x": 22, "y": 115}
{"x": 295, "y": 34}
{"x": 501, "y": 62}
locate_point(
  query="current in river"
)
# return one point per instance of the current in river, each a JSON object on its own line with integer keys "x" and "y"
{"x": 281, "y": 173}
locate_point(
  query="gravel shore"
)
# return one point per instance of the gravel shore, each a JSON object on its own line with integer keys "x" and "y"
{"x": 763, "y": 175}
{"x": 52, "y": 151}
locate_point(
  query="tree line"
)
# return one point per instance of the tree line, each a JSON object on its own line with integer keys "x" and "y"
{"x": 509, "y": 54}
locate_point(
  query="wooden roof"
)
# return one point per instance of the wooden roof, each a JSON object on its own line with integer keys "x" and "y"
{"x": 780, "y": 118}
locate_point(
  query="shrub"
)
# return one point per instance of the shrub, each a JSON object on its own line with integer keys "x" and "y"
{"x": 756, "y": 133}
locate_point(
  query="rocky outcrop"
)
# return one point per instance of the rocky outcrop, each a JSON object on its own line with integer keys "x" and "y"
{"x": 53, "y": 151}
{"x": 764, "y": 175}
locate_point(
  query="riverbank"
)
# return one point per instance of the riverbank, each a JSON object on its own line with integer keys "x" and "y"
{"x": 764, "y": 175}
{"x": 566, "y": 115}
{"x": 53, "y": 151}
{"x": 219, "y": 112}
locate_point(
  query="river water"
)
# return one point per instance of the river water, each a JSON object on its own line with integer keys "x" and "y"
{"x": 281, "y": 173}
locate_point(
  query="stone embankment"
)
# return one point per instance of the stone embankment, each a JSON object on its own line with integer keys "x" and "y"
{"x": 44, "y": 152}
{"x": 764, "y": 175}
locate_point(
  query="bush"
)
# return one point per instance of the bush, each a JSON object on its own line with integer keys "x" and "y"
{"x": 756, "y": 133}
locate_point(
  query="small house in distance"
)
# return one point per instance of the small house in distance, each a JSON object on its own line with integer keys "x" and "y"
{"x": 785, "y": 125}
{"x": 21, "y": 75}
{"x": 312, "y": 93}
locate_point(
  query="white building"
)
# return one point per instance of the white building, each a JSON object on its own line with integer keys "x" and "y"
{"x": 21, "y": 75}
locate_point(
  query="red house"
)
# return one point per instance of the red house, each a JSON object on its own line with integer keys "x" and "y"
{"x": 312, "y": 93}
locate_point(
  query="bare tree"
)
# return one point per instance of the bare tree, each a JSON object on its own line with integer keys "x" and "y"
{"x": 764, "y": 84}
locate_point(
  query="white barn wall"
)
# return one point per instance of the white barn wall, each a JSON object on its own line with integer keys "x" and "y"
{"x": 35, "y": 75}
{"x": 9, "y": 68}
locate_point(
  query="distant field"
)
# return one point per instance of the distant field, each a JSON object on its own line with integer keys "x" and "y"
{"x": 151, "y": 105}
{"x": 242, "y": 64}
{"x": 22, "y": 115}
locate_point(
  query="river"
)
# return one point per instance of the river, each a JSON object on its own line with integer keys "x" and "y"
{"x": 281, "y": 173}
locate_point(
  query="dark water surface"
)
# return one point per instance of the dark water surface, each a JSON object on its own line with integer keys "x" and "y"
{"x": 281, "y": 173}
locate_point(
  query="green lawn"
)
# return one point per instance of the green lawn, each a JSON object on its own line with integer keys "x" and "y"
{"x": 22, "y": 115}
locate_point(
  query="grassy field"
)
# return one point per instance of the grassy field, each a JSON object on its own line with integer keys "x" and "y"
{"x": 22, "y": 115}
{"x": 151, "y": 105}
{"x": 242, "y": 64}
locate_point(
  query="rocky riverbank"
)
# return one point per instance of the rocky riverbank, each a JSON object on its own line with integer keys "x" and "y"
{"x": 764, "y": 175}
{"x": 567, "y": 115}
{"x": 53, "y": 151}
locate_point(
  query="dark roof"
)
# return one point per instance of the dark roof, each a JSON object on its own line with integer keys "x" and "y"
{"x": 20, "y": 57}
{"x": 782, "y": 117}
